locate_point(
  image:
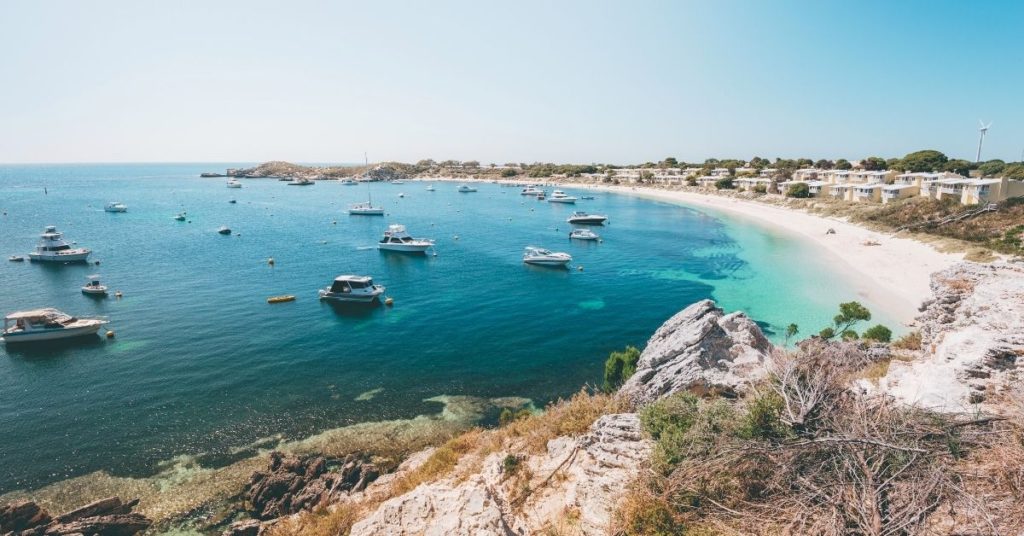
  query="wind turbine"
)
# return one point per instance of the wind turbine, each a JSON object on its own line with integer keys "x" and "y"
{"x": 981, "y": 140}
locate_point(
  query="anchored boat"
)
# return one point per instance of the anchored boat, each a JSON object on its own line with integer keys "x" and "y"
{"x": 544, "y": 257}
{"x": 352, "y": 288}
{"x": 53, "y": 248}
{"x": 397, "y": 239}
{"x": 46, "y": 325}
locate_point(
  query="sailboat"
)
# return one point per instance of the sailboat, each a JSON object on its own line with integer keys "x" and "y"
{"x": 367, "y": 208}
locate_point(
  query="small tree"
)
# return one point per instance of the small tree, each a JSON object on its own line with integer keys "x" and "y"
{"x": 619, "y": 367}
{"x": 843, "y": 163}
{"x": 645, "y": 176}
{"x": 724, "y": 184}
{"x": 849, "y": 314}
{"x": 509, "y": 172}
{"x": 878, "y": 333}
{"x": 799, "y": 190}
{"x": 791, "y": 331}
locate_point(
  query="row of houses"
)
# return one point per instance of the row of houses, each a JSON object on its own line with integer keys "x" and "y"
{"x": 886, "y": 186}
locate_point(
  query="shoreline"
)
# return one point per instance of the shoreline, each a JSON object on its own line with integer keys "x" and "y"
{"x": 895, "y": 274}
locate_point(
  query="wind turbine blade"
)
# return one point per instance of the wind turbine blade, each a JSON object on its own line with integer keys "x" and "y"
{"x": 982, "y": 123}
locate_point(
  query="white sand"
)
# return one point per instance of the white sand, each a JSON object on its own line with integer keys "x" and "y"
{"x": 894, "y": 274}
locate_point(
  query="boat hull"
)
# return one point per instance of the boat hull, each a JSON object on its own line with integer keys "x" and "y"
{"x": 374, "y": 212}
{"x": 405, "y": 248}
{"x": 350, "y": 298}
{"x": 547, "y": 262}
{"x": 51, "y": 335}
{"x": 69, "y": 257}
{"x": 587, "y": 221}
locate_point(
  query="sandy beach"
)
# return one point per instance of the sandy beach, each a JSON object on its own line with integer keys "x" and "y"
{"x": 894, "y": 274}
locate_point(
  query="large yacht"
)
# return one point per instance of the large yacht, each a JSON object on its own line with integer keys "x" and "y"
{"x": 46, "y": 325}
{"x": 582, "y": 218}
{"x": 352, "y": 288}
{"x": 53, "y": 248}
{"x": 397, "y": 239}
{"x": 559, "y": 196}
{"x": 545, "y": 257}
{"x": 116, "y": 206}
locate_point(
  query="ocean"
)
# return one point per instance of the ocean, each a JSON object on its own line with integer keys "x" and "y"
{"x": 202, "y": 364}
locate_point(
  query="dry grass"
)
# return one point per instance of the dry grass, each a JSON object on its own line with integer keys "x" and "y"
{"x": 875, "y": 371}
{"x": 570, "y": 417}
{"x": 963, "y": 286}
{"x": 910, "y": 341}
{"x": 440, "y": 463}
{"x": 334, "y": 521}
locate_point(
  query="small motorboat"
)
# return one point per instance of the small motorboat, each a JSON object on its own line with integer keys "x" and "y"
{"x": 559, "y": 196}
{"x": 348, "y": 182}
{"x": 583, "y": 234}
{"x": 224, "y": 230}
{"x": 281, "y": 299}
{"x": 352, "y": 288}
{"x": 301, "y": 182}
{"x": 94, "y": 287}
{"x": 582, "y": 218}
{"x": 232, "y": 201}
{"x": 234, "y": 183}
{"x": 531, "y": 190}
{"x": 180, "y": 217}
{"x": 465, "y": 188}
{"x": 115, "y": 206}
{"x": 365, "y": 209}
{"x": 397, "y": 181}
{"x": 430, "y": 188}
{"x": 53, "y": 248}
{"x": 16, "y": 258}
{"x": 544, "y": 257}
{"x": 541, "y": 195}
{"x": 46, "y": 325}
{"x": 397, "y": 239}
{"x": 587, "y": 198}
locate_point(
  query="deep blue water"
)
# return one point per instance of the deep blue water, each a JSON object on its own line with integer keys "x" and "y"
{"x": 201, "y": 363}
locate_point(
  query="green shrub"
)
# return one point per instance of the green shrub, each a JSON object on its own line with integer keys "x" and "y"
{"x": 510, "y": 464}
{"x": 878, "y": 333}
{"x": 762, "y": 419}
{"x": 509, "y": 172}
{"x": 760, "y": 189}
{"x": 675, "y": 412}
{"x": 508, "y": 415}
{"x": 799, "y": 190}
{"x": 724, "y": 184}
{"x": 619, "y": 367}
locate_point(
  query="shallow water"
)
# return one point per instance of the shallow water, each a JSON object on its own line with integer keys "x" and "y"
{"x": 202, "y": 364}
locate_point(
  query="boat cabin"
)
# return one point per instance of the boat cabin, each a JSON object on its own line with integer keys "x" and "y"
{"x": 346, "y": 284}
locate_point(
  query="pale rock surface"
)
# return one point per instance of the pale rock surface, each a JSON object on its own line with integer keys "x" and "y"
{"x": 590, "y": 475}
{"x": 972, "y": 335}
{"x": 700, "y": 349}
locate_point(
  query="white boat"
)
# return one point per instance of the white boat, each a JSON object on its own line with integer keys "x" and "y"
{"x": 348, "y": 182}
{"x": 116, "y": 206}
{"x": 397, "y": 181}
{"x": 180, "y": 217}
{"x": 53, "y": 248}
{"x": 465, "y": 188}
{"x": 233, "y": 183}
{"x": 224, "y": 230}
{"x": 530, "y": 190}
{"x": 352, "y": 288}
{"x": 16, "y": 258}
{"x": 559, "y": 196}
{"x": 301, "y": 182}
{"x": 365, "y": 209}
{"x": 397, "y": 239}
{"x": 582, "y": 218}
{"x": 430, "y": 188}
{"x": 94, "y": 287}
{"x": 543, "y": 257}
{"x": 583, "y": 234}
{"x": 46, "y": 325}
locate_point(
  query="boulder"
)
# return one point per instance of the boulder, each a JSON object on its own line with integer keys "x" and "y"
{"x": 105, "y": 517}
{"x": 21, "y": 515}
{"x": 292, "y": 484}
{"x": 700, "y": 349}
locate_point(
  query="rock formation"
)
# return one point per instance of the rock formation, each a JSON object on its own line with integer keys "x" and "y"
{"x": 292, "y": 484}
{"x": 702, "y": 350}
{"x": 106, "y": 517}
{"x": 972, "y": 339}
{"x": 582, "y": 478}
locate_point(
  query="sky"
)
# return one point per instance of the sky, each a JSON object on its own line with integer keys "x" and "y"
{"x": 527, "y": 81}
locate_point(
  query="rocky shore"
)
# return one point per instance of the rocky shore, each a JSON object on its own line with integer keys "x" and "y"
{"x": 106, "y": 517}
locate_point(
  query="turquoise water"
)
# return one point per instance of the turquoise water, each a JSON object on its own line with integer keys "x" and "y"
{"x": 202, "y": 364}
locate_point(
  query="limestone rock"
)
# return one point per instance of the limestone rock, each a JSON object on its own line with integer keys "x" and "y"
{"x": 972, "y": 339}
{"x": 700, "y": 349}
{"x": 292, "y": 484}
{"x": 106, "y": 517}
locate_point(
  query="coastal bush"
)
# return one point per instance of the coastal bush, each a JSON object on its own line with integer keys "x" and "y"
{"x": 878, "y": 333}
{"x": 799, "y": 190}
{"x": 510, "y": 464}
{"x": 850, "y": 313}
{"x": 853, "y": 465}
{"x": 724, "y": 184}
{"x": 509, "y": 172}
{"x": 760, "y": 189}
{"x": 910, "y": 341}
{"x": 619, "y": 367}
{"x": 508, "y": 415}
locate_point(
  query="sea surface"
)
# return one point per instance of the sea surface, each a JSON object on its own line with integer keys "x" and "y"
{"x": 201, "y": 363}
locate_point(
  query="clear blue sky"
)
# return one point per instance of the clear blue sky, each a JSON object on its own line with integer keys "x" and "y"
{"x": 586, "y": 81}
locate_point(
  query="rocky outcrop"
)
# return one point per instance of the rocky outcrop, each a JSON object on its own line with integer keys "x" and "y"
{"x": 106, "y": 517}
{"x": 972, "y": 339}
{"x": 701, "y": 350}
{"x": 292, "y": 484}
{"x": 582, "y": 478}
